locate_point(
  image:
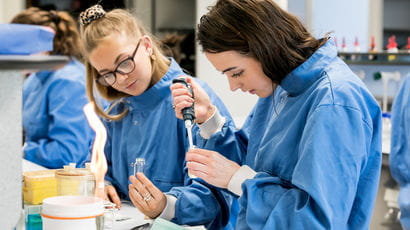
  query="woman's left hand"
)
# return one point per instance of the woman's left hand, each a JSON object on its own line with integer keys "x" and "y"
{"x": 211, "y": 166}
{"x": 146, "y": 197}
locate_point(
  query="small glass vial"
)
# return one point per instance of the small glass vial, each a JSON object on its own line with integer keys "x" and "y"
{"x": 139, "y": 166}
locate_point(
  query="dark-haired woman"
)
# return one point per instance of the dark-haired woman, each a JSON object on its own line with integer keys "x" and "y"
{"x": 312, "y": 153}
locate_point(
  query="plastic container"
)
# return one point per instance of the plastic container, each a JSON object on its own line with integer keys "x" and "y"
{"x": 75, "y": 181}
{"x": 73, "y": 212}
{"x": 33, "y": 219}
{"x": 39, "y": 185}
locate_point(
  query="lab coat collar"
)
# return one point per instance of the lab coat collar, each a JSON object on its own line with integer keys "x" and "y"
{"x": 158, "y": 92}
{"x": 301, "y": 78}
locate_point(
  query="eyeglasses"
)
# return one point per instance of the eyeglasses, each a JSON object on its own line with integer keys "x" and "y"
{"x": 124, "y": 67}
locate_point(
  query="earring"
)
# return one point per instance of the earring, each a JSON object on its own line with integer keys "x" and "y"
{"x": 151, "y": 54}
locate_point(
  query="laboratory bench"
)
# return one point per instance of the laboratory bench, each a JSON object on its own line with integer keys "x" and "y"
{"x": 126, "y": 218}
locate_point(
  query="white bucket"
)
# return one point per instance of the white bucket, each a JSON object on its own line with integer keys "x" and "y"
{"x": 72, "y": 212}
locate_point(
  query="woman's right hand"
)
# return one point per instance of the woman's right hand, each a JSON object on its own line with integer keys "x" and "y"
{"x": 112, "y": 195}
{"x": 182, "y": 99}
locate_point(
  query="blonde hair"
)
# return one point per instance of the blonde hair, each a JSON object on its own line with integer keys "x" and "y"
{"x": 116, "y": 21}
{"x": 67, "y": 38}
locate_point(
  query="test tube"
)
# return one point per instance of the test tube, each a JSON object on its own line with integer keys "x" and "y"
{"x": 139, "y": 165}
{"x": 189, "y": 174}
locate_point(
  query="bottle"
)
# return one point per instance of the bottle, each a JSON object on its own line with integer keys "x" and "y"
{"x": 408, "y": 45}
{"x": 372, "y": 49}
{"x": 356, "y": 49}
{"x": 392, "y": 48}
{"x": 344, "y": 47}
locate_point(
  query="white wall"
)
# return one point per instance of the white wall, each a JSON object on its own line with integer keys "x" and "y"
{"x": 9, "y": 8}
{"x": 348, "y": 18}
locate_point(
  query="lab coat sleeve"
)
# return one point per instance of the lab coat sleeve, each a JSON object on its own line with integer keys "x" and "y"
{"x": 69, "y": 135}
{"x": 201, "y": 204}
{"x": 321, "y": 192}
{"x": 400, "y": 149}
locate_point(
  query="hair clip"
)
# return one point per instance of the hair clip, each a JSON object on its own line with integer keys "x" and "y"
{"x": 89, "y": 15}
{"x": 54, "y": 17}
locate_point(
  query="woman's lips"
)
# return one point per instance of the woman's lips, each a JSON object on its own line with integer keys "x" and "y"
{"x": 130, "y": 85}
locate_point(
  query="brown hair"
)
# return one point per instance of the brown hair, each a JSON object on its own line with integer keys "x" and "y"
{"x": 116, "y": 21}
{"x": 259, "y": 29}
{"x": 67, "y": 38}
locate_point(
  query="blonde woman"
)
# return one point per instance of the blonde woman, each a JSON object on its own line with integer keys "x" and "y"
{"x": 126, "y": 66}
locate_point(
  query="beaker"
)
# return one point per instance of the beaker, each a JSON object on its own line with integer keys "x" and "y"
{"x": 75, "y": 181}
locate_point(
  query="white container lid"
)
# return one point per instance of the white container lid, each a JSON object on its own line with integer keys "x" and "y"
{"x": 73, "y": 207}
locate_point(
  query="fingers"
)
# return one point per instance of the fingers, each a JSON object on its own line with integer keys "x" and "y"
{"x": 197, "y": 158}
{"x": 182, "y": 98}
{"x": 151, "y": 188}
{"x": 200, "y": 155}
{"x": 140, "y": 196}
{"x": 113, "y": 196}
{"x": 195, "y": 167}
{"x": 136, "y": 198}
{"x": 183, "y": 101}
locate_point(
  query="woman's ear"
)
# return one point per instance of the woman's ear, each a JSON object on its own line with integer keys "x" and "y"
{"x": 148, "y": 44}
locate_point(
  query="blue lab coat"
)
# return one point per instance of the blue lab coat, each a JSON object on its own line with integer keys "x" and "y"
{"x": 56, "y": 130}
{"x": 400, "y": 149}
{"x": 151, "y": 131}
{"x": 315, "y": 144}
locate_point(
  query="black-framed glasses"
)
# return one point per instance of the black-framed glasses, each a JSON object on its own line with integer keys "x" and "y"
{"x": 124, "y": 67}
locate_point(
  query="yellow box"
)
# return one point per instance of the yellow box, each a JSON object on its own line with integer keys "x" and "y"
{"x": 39, "y": 185}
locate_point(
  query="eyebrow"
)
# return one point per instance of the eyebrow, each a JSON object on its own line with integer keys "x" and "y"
{"x": 228, "y": 69}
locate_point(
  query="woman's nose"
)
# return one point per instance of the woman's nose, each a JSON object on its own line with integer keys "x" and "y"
{"x": 121, "y": 77}
{"x": 233, "y": 84}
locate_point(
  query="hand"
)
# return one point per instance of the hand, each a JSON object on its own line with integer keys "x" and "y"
{"x": 182, "y": 99}
{"x": 146, "y": 197}
{"x": 211, "y": 166}
{"x": 111, "y": 194}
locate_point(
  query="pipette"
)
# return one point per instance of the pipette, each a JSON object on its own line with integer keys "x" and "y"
{"x": 188, "y": 113}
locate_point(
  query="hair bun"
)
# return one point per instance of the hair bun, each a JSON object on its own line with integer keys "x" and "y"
{"x": 93, "y": 13}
